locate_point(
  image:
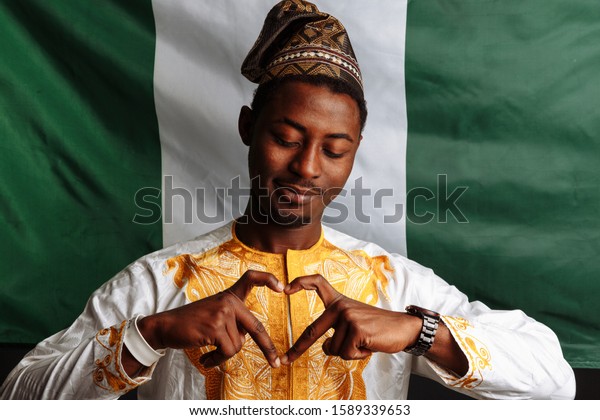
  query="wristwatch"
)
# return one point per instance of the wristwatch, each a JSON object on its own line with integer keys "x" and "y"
{"x": 431, "y": 320}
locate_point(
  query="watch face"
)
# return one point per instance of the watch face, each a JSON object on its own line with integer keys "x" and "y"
{"x": 417, "y": 310}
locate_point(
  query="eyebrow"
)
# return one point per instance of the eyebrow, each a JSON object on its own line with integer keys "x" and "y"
{"x": 302, "y": 129}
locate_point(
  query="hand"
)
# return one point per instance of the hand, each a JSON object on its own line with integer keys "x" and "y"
{"x": 221, "y": 320}
{"x": 360, "y": 329}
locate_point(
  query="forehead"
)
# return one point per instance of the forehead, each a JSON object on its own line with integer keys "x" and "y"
{"x": 313, "y": 106}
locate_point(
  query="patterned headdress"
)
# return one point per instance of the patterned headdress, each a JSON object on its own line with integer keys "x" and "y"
{"x": 298, "y": 39}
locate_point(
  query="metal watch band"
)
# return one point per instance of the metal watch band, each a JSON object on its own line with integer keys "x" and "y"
{"x": 430, "y": 325}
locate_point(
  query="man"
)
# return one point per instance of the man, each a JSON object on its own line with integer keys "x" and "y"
{"x": 276, "y": 306}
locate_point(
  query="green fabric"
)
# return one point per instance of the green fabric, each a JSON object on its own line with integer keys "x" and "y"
{"x": 504, "y": 98}
{"x": 78, "y": 138}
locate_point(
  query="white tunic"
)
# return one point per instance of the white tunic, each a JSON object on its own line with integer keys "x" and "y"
{"x": 510, "y": 355}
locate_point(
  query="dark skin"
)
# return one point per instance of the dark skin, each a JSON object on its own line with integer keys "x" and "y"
{"x": 221, "y": 320}
{"x": 303, "y": 150}
{"x": 302, "y": 144}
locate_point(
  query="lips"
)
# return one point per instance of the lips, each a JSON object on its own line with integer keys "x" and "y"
{"x": 294, "y": 194}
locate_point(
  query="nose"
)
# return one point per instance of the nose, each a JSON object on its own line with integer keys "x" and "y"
{"x": 306, "y": 163}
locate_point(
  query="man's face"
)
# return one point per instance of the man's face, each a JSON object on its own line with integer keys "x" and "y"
{"x": 302, "y": 148}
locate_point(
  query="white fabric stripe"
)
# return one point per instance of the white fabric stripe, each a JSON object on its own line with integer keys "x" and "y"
{"x": 199, "y": 90}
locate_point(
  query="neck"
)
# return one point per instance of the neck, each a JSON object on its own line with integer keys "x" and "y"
{"x": 276, "y": 238}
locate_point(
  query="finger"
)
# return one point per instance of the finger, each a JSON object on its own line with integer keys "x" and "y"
{"x": 351, "y": 350}
{"x": 332, "y": 345}
{"x": 252, "y": 278}
{"x": 237, "y": 339}
{"x": 315, "y": 282}
{"x": 242, "y": 333}
{"x": 213, "y": 359}
{"x": 225, "y": 350}
{"x": 308, "y": 337}
{"x": 209, "y": 360}
{"x": 326, "y": 347}
{"x": 258, "y": 333}
{"x": 355, "y": 353}
{"x": 227, "y": 346}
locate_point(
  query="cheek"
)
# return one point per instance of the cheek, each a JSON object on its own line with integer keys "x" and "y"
{"x": 264, "y": 161}
{"x": 339, "y": 173}
{"x": 336, "y": 179}
{"x": 330, "y": 194}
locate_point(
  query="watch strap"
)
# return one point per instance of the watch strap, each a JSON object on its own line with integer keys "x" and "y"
{"x": 427, "y": 336}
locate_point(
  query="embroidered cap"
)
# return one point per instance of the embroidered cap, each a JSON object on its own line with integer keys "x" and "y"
{"x": 298, "y": 39}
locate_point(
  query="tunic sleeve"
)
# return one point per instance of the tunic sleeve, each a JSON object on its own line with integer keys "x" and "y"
{"x": 510, "y": 354}
{"x": 84, "y": 360}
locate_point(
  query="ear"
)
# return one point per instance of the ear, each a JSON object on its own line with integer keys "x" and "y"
{"x": 246, "y": 125}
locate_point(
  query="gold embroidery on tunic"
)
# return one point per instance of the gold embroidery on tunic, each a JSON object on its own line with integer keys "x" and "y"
{"x": 314, "y": 375}
{"x": 477, "y": 353}
{"x": 108, "y": 374}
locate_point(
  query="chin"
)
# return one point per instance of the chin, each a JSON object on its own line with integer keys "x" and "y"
{"x": 285, "y": 218}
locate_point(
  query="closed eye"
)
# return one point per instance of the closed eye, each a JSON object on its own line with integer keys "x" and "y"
{"x": 284, "y": 143}
{"x": 333, "y": 155}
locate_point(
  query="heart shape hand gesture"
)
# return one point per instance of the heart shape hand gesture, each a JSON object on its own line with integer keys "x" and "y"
{"x": 223, "y": 320}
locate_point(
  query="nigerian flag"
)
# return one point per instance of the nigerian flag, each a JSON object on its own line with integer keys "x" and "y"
{"x": 118, "y": 133}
